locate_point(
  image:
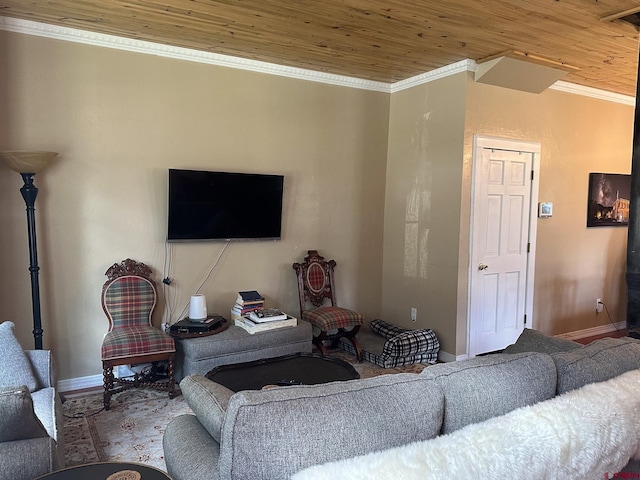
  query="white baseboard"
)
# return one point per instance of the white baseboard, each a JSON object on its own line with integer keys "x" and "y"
{"x": 79, "y": 383}
{"x": 590, "y": 332}
{"x": 92, "y": 381}
{"x": 448, "y": 357}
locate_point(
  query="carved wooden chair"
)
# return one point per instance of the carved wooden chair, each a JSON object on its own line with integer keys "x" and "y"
{"x": 128, "y": 299}
{"x": 316, "y": 286}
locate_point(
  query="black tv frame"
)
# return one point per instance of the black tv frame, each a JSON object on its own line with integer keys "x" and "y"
{"x": 223, "y": 206}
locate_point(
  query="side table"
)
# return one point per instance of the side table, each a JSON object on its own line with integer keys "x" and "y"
{"x": 108, "y": 471}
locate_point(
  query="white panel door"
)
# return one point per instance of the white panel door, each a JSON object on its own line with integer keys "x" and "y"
{"x": 501, "y": 217}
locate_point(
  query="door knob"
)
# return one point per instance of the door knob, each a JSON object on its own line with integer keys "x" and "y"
{"x": 482, "y": 266}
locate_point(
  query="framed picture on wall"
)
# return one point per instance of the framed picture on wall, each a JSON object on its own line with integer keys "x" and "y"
{"x": 609, "y": 195}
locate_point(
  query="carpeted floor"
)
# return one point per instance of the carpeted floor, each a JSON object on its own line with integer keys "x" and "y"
{"x": 131, "y": 431}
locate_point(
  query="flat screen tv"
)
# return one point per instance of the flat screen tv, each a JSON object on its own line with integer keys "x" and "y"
{"x": 224, "y": 206}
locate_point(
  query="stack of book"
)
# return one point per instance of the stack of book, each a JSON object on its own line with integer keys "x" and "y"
{"x": 265, "y": 319}
{"x": 246, "y": 303}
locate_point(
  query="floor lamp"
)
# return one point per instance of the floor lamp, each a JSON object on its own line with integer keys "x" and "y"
{"x": 27, "y": 164}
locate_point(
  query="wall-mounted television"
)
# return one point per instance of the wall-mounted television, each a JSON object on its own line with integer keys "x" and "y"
{"x": 207, "y": 205}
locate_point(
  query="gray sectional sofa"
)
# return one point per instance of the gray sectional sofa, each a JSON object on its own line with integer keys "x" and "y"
{"x": 276, "y": 433}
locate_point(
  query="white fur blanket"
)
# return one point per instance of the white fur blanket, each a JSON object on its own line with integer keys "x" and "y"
{"x": 590, "y": 433}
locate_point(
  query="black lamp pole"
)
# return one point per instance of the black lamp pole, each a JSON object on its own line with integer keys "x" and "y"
{"x": 27, "y": 163}
{"x": 29, "y": 192}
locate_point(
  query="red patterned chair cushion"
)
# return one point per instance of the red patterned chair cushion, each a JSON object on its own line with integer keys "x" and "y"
{"x": 331, "y": 318}
{"x": 135, "y": 341}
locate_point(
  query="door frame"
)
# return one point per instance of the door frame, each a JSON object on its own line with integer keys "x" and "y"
{"x": 498, "y": 143}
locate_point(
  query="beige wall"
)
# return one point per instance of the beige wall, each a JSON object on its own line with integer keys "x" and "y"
{"x": 119, "y": 121}
{"x": 430, "y": 165}
{"x": 578, "y": 135}
{"x": 367, "y": 176}
{"x": 422, "y": 207}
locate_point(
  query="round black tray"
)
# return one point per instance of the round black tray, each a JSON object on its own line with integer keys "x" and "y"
{"x": 296, "y": 369}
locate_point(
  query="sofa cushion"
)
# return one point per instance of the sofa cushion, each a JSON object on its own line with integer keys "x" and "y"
{"x": 596, "y": 362}
{"x": 297, "y": 426}
{"x": 492, "y": 385}
{"x": 581, "y": 435}
{"x": 208, "y": 400}
{"x": 15, "y": 368}
{"x": 534, "y": 341}
{"x": 19, "y": 420}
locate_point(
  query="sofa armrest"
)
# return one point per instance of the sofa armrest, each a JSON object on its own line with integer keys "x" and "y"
{"x": 208, "y": 400}
{"x": 42, "y": 366}
{"x": 189, "y": 451}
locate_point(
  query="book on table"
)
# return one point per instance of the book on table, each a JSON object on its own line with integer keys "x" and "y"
{"x": 267, "y": 315}
{"x": 249, "y": 297}
{"x": 246, "y": 309}
{"x": 252, "y": 327}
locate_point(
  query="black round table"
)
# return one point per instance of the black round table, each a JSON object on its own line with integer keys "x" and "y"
{"x": 104, "y": 470}
{"x": 296, "y": 369}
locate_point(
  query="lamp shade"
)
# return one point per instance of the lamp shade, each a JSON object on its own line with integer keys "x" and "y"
{"x": 198, "y": 308}
{"x": 27, "y": 161}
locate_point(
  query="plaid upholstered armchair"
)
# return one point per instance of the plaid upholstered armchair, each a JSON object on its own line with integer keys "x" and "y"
{"x": 128, "y": 300}
{"x": 329, "y": 322}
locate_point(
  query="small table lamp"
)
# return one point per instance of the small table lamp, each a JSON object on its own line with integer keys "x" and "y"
{"x": 27, "y": 164}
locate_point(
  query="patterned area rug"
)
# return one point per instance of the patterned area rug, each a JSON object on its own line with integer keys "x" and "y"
{"x": 132, "y": 430}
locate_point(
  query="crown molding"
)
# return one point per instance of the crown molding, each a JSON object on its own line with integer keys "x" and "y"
{"x": 150, "y": 48}
{"x": 593, "y": 93}
{"x": 168, "y": 51}
{"x": 461, "y": 66}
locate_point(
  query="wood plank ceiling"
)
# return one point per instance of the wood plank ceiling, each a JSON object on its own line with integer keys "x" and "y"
{"x": 379, "y": 40}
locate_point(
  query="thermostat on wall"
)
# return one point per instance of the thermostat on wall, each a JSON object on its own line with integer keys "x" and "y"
{"x": 545, "y": 209}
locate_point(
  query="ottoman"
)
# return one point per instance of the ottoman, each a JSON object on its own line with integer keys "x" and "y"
{"x": 235, "y": 345}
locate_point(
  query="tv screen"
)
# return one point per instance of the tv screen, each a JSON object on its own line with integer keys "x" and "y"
{"x": 224, "y": 206}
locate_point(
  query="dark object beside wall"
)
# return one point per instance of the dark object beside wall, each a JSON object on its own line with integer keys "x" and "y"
{"x": 297, "y": 369}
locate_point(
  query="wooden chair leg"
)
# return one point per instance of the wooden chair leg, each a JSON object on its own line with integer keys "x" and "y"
{"x": 107, "y": 380}
{"x": 171, "y": 380}
{"x": 351, "y": 336}
{"x": 318, "y": 341}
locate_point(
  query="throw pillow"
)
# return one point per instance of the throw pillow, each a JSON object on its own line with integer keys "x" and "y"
{"x": 15, "y": 368}
{"x": 533, "y": 341}
{"x": 19, "y": 420}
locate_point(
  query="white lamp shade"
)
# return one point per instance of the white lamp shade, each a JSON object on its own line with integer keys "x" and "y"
{"x": 27, "y": 161}
{"x": 198, "y": 308}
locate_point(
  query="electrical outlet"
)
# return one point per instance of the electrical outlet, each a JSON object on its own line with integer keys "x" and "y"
{"x": 414, "y": 314}
{"x": 599, "y": 305}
